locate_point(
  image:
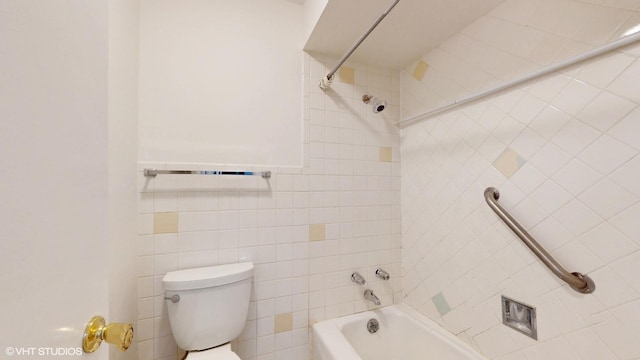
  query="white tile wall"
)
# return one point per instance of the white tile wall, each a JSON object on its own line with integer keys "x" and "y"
{"x": 343, "y": 185}
{"x": 520, "y": 36}
{"x": 578, "y": 193}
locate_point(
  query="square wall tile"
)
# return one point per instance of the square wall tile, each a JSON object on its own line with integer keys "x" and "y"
{"x": 626, "y": 130}
{"x": 347, "y": 75}
{"x": 283, "y": 322}
{"x": 626, "y": 84}
{"x": 509, "y": 162}
{"x": 420, "y": 70}
{"x": 605, "y": 110}
{"x": 575, "y": 97}
{"x": 386, "y": 154}
{"x": 604, "y": 69}
{"x": 607, "y": 154}
{"x": 165, "y": 223}
{"x": 441, "y": 304}
{"x": 316, "y": 232}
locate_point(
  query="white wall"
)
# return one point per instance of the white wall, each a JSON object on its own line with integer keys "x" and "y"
{"x": 53, "y": 137}
{"x": 571, "y": 179}
{"x": 306, "y": 229}
{"x": 312, "y": 11}
{"x": 221, "y": 82}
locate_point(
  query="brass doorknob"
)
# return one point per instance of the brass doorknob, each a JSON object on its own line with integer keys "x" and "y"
{"x": 118, "y": 334}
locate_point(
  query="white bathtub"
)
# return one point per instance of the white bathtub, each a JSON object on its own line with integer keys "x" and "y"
{"x": 404, "y": 334}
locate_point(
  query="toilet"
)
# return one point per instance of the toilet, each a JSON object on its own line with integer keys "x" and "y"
{"x": 208, "y": 308}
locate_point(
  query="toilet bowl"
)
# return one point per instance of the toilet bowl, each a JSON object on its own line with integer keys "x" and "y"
{"x": 208, "y": 308}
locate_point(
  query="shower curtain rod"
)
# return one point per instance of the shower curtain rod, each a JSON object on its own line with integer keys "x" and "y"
{"x": 326, "y": 81}
{"x": 515, "y": 82}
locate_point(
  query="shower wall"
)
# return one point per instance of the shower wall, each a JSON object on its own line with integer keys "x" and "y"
{"x": 306, "y": 229}
{"x": 514, "y": 39}
{"x": 564, "y": 152}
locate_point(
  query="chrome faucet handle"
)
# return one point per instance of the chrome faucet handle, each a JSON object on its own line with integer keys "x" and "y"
{"x": 382, "y": 274}
{"x": 357, "y": 278}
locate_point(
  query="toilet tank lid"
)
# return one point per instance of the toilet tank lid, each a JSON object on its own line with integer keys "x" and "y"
{"x": 204, "y": 277}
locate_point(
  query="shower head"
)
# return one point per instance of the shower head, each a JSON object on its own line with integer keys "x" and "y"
{"x": 378, "y": 105}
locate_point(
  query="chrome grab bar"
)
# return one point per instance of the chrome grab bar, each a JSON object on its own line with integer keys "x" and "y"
{"x": 154, "y": 172}
{"x": 578, "y": 282}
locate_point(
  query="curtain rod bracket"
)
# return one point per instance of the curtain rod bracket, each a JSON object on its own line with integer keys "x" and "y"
{"x": 326, "y": 82}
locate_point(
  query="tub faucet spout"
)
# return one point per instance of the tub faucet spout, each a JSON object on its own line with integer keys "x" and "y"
{"x": 369, "y": 295}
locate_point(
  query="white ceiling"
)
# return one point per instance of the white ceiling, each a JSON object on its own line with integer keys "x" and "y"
{"x": 411, "y": 29}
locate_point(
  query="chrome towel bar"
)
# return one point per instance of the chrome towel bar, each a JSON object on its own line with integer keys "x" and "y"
{"x": 578, "y": 282}
{"x": 154, "y": 172}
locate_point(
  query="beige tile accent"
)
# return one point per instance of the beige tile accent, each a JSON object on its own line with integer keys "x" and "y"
{"x": 347, "y": 75}
{"x": 165, "y": 222}
{"x": 283, "y": 322}
{"x": 385, "y": 154}
{"x": 420, "y": 70}
{"x": 508, "y": 163}
{"x": 316, "y": 232}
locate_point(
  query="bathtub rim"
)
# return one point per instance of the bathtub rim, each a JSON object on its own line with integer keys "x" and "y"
{"x": 328, "y": 339}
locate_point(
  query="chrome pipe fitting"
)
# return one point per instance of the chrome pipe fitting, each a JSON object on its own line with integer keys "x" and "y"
{"x": 382, "y": 274}
{"x": 357, "y": 278}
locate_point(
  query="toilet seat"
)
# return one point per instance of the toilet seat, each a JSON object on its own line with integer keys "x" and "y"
{"x": 218, "y": 353}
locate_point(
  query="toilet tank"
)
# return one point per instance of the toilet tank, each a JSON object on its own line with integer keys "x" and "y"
{"x": 213, "y": 305}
